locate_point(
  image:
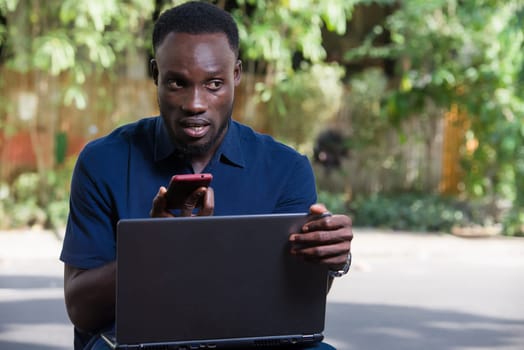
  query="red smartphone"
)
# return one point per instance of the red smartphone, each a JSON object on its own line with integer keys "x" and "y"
{"x": 181, "y": 186}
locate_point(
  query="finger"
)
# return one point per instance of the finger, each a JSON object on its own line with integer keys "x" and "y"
{"x": 208, "y": 203}
{"x": 334, "y": 263}
{"x": 159, "y": 207}
{"x": 316, "y": 212}
{"x": 327, "y": 222}
{"x": 334, "y": 255}
{"x": 191, "y": 202}
{"x": 319, "y": 238}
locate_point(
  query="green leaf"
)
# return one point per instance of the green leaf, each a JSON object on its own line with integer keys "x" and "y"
{"x": 9, "y": 5}
{"x": 75, "y": 94}
{"x": 54, "y": 53}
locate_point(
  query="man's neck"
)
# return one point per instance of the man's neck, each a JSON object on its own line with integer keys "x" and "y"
{"x": 199, "y": 164}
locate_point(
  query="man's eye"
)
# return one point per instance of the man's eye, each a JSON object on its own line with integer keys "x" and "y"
{"x": 174, "y": 84}
{"x": 214, "y": 85}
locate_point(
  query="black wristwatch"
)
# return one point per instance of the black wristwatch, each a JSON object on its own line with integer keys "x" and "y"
{"x": 343, "y": 270}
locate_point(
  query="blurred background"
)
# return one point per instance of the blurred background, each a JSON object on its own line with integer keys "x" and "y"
{"x": 412, "y": 112}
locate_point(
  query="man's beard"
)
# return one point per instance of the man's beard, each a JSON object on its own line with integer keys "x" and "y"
{"x": 189, "y": 151}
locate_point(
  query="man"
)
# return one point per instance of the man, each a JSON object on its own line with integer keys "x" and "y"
{"x": 196, "y": 69}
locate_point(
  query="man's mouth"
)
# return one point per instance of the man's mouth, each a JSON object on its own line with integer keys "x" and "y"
{"x": 195, "y": 129}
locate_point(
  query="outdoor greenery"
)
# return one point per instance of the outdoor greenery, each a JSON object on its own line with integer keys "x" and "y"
{"x": 468, "y": 54}
{"x": 274, "y": 36}
{"x": 23, "y": 203}
{"x": 78, "y": 37}
{"x": 415, "y": 211}
{"x": 49, "y": 41}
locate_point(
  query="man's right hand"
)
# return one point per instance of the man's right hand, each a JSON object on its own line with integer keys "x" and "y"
{"x": 206, "y": 208}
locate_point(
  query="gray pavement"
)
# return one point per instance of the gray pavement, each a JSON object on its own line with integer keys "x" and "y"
{"x": 405, "y": 291}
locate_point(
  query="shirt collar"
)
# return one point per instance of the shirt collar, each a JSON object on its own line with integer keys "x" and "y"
{"x": 163, "y": 145}
{"x": 229, "y": 151}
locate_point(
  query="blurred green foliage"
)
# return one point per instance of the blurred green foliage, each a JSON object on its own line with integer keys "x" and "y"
{"x": 415, "y": 212}
{"x": 273, "y": 31}
{"x": 470, "y": 54}
{"x": 35, "y": 200}
{"x": 278, "y": 34}
{"x": 299, "y": 108}
{"x": 467, "y": 53}
{"x": 410, "y": 211}
{"x": 80, "y": 37}
{"x": 45, "y": 39}
{"x": 335, "y": 202}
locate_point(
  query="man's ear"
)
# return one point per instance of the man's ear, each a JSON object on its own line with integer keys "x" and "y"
{"x": 154, "y": 70}
{"x": 238, "y": 72}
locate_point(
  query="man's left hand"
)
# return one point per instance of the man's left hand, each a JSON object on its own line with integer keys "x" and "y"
{"x": 325, "y": 239}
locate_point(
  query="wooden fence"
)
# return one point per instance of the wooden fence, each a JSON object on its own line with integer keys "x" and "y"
{"x": 32, "y": 121}
{"x": 455, "y": 127}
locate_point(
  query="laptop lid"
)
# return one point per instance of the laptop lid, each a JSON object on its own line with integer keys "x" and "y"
{"x": 216, "y": 281}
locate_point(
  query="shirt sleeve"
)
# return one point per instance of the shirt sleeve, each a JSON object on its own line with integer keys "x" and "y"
{"x": 300, "y": 190}
{"x": 89, "y": 240}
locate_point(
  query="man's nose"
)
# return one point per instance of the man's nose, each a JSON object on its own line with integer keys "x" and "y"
{"x": 194, "y": 101}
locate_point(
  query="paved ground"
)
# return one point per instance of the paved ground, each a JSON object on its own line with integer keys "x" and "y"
{"x": 405, "y": 291}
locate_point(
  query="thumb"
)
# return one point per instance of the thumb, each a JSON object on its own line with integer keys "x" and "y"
{"x": 317, "y": 209}
{"x": 159, "y": 207}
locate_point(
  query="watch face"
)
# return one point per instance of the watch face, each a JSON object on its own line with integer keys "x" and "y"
{"x": 344, "y": 269}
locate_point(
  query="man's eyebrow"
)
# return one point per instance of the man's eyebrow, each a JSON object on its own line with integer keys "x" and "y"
{"x": 215, "y": 72}
{"x": 209, "y": 74}
{"x": 174, "y": 74}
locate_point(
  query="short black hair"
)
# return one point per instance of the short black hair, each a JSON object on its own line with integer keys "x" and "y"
{"x": 195, "y": 17}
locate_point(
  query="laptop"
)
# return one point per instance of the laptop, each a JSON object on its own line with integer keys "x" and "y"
{"x": 215, "y": 282}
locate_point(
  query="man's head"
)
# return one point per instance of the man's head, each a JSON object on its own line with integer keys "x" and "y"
{"x": 196, "y": 18}
{"x": 196, "y": 69}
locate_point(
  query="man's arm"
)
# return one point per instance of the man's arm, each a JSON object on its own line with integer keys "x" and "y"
{"x": 90, "y": 296}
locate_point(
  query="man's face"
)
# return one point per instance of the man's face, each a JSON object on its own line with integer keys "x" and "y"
{"x": 196, "y": 76}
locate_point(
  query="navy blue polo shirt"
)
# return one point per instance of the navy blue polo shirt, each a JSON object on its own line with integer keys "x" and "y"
{"x": 117, "y": 177}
